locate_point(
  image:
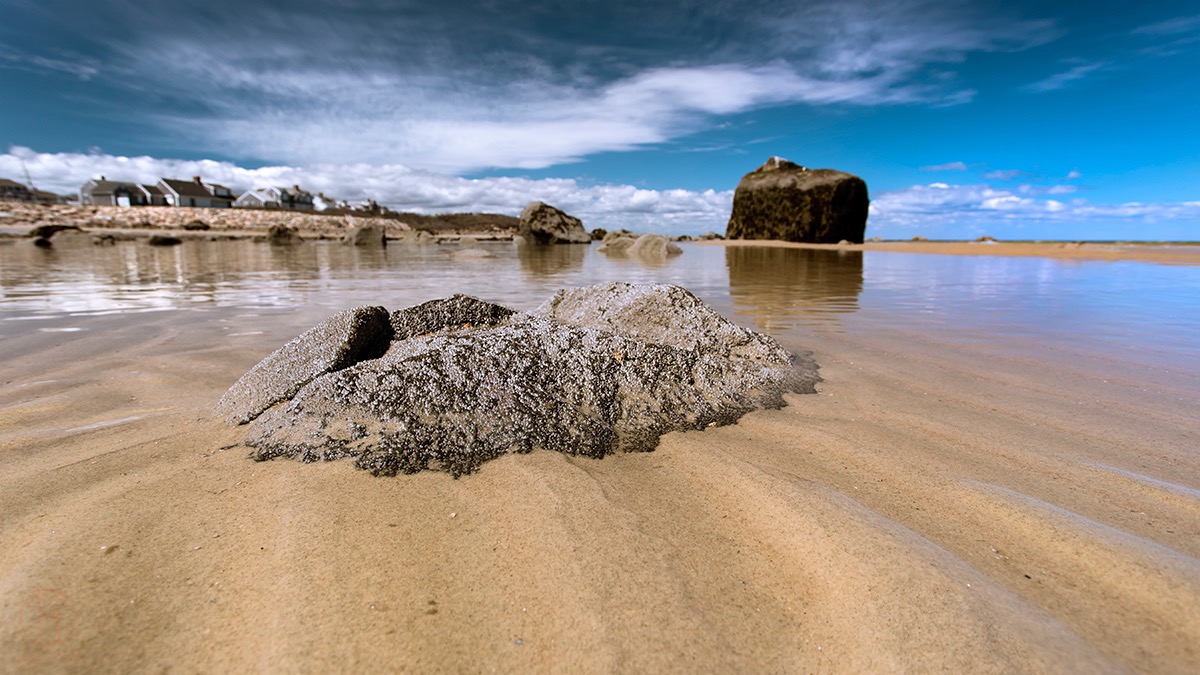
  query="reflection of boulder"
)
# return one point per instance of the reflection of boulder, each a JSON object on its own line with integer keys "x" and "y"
{"x": 544, "y": 224}
{"x": 595, "y": 370}
{"x": 549, "y": 261}
{"x": 282, "y": 235}
{"x": 783, "y": 287}
{"x": 783, "y": 200}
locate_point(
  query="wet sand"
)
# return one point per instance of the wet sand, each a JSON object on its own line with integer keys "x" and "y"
{"x": 1163, "y": 253}
{"x": 958, "y": 505}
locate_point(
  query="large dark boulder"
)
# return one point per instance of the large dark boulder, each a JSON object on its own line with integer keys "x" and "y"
{"x": 544, "y": 224}
{"x": 785, "y": 201}
{"x": 596, "y": 370}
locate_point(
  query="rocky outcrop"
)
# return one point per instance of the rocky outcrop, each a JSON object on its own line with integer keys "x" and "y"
{"x": 783, "y": 200}
{"x": 602, "y": 369}
{"x": 649, "y": 248}
{"x": 544, "y": 224}
{"x": 654, "y": 246}
{"x": 218, "y": 221}
{"x": 365, "y": 235}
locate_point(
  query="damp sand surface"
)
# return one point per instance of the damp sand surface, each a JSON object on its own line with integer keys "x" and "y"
{"x": 1000, "y": 472}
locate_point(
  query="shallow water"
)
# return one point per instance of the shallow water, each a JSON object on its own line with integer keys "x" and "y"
{"x": 1001, "y": 472}
{"x": 1146, "y": 310}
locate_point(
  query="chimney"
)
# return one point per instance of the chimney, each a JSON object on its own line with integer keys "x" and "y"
{"x": 102, "y": 178}
{"x": 196, "y": 180}
{"x": 296, "y": 188}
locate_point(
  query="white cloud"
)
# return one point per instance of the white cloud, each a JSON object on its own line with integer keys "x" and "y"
{"x": 1074, "y": 174}
{"x": 401, "y": 188}
{"x": 938, "y": 209}
{"x": 300, "y": 118}
{"x": 965, "y": 211}
{"x": 306, "y": 85}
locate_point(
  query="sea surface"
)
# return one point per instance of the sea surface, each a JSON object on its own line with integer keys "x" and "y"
{"x": 1145, "y": 313}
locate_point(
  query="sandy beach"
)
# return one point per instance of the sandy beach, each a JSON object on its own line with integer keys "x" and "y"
{"x": 1155, "y": 252}
{"x": 945, "y": 503}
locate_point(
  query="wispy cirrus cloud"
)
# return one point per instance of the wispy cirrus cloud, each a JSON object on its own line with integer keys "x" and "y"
{"x": 82, "y": 67}
{"x": 1174, "y": 26}
{"x": 465, "y": 86}
{"x": 1004, "y": 174}
{"x": 1065, "y": 78}
{"x": 948, "y": 166}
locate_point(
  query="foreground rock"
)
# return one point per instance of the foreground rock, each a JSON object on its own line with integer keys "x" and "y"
{"x": 544, "y": 224}
{"x": 783, "y": 200}
{"x": 596, "y": 370}
{"x": 340, "y": 341}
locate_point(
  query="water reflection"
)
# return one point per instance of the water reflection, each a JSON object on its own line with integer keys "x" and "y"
{"x": 551, "y": 261}
{"x": 780, "y": 288}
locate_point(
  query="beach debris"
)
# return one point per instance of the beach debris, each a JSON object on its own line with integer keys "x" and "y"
{"x": 545, "y": 224}
{"x": 593, "y": 371}
{"x": 786, "y": 201}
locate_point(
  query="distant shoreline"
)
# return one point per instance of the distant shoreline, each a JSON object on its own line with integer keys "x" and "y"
{"x": 1167, "y": 253}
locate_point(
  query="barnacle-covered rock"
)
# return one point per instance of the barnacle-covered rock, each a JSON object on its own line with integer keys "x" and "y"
{"x": 596, "y": 370}
{"x": 342, "y": 340}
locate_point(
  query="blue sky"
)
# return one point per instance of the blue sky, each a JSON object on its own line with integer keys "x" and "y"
{"x": 1015, "y": 119}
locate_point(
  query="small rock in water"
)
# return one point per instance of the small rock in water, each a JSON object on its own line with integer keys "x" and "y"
{"x": 595, "y": 370}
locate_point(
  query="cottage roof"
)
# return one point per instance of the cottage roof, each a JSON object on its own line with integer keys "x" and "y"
{"x": 153, "y": 189}
{"x": 296, "y": 194}
{"x": 186, "y": 188}
{"x": 6, "y": 183}
{"x": 107, "y": 187}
